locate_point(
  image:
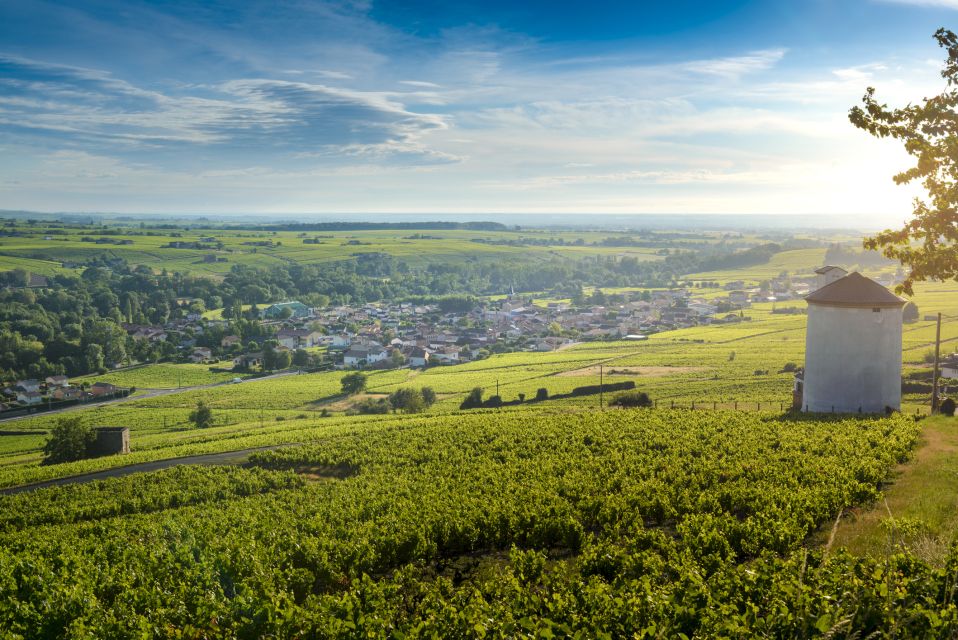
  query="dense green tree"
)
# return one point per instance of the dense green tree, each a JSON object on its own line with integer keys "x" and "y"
{"x": 428, "y": 396}
{"x": 202, "y": 416}
{"x": 407, "y": 400}
{"x": 69, "y": 440}
{"x": 354, "y": 382}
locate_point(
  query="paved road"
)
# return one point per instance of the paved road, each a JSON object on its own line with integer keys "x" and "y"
{"x": 149, "y": 393}
{"x": 226, "y": 457}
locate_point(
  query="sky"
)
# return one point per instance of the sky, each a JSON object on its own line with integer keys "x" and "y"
{"x": 297, "y": 107}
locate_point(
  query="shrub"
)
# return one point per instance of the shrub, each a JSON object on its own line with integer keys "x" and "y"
{"x": 69, "y": 440}
{"x": 947, "y": 407}
{"x": 473, "y": 400}
{"x": 407, "y": 400}
{"x": 522, "y": 398}
{"x": 631, "y": 399}
{"x": 789, "y": 367}
{"x": 494, "y": 401}
{"x": 428, "y": 396}
{"x": 910, "y": 312}
{"x": 592, "y": 389}
{"x": 542, "y": 394}
{"x": 373, "y": 406}
{"x": 201, "y": 416}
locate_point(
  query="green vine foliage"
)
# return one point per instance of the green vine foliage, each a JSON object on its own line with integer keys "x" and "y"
{"x": 628, "y": 523}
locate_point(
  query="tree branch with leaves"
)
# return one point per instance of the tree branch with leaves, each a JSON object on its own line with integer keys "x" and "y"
{"x": 928, "y": 243}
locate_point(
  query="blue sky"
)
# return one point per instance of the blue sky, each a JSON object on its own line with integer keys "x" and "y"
{"x": 473, "y": 106}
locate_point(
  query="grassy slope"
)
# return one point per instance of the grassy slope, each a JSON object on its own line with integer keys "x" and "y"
{"x": 919, "y": 511}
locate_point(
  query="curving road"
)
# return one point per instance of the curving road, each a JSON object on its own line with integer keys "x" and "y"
{"x": 149, "y": 393}
{"x": 225, "y": 457}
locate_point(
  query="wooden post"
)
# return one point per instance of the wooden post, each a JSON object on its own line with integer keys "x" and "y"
{"x": 934, "y": 383}
{"x": 600, "y": 386}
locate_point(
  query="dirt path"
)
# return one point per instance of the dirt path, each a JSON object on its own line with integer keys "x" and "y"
{"x": 226, "y": 457}
{"x": 629, "y": 371}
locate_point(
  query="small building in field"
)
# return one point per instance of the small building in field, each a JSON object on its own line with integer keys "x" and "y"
{"x": 949, "y": 366}
{"x": 853, "y": 348}
{"x": 111, "y": 441}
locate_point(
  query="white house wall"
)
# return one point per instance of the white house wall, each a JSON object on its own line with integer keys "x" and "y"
{"x": 852, "y": 359}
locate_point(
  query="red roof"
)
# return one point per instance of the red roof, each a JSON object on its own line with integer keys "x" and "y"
{"x": 854, "y": 290}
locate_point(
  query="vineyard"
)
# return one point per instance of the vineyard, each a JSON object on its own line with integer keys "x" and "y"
{"x": 515, "y": 524}
{"x": 164, "y": 376}
{"x": 741, "y": 366}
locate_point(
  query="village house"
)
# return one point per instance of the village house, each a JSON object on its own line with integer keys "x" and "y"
{"x": 277, "y": 311}
{"x": 99, "y": 389}
{"x": 28, "y": 386}
{"x": 248, "y": 360}
{"x": 738, "y": 298}
{"x": 418, "y": 357}
{"x": 230, "y": 341}
{"x": 341, "y": 341}
{"x": 29, "y": 397}
{"x": 827, "y": 275}
{"x": 57, "y": 381}
{"x": 446, "y": 355}
{"x": 201, "y": 354}
{"x": 364, "y": 355}
{"x": 67, "y": 393}
{"x": 949, "y": 366}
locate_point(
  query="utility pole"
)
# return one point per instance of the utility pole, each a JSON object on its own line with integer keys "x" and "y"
{"x": 934, "y": 382}
{"x": 600, "y": 387}
{"x": 497, "y": 387}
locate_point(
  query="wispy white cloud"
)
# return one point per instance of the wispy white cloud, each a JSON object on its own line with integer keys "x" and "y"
{"x": 62, "y": 101}
{"x": 736, "y": 66}
{"x": 948, "y": 4}
{"x": 419, "y": 83}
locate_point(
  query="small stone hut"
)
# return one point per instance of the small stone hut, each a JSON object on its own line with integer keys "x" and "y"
{"x": 111, "y": 441}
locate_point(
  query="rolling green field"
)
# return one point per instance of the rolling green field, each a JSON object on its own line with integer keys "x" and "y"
{"x": 33, "y": 252}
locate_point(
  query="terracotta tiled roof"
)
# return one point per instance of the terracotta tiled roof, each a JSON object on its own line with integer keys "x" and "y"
{"x": 854, "y": 290}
